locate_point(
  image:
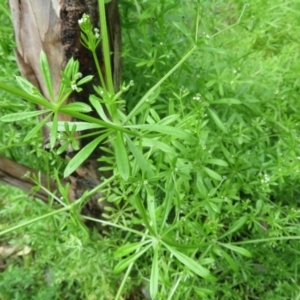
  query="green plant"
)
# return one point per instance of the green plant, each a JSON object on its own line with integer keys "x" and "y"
{"x": 205, "y": 171}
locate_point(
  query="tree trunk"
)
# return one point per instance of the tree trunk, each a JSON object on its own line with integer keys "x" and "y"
{"x": 52, "y": 26}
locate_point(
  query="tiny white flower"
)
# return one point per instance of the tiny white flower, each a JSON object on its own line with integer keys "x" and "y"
{"x": 97, "y": 34}
{"x": 197, "y": 97}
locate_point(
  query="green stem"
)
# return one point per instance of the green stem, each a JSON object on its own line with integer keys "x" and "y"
{"x": 150, "y": 92}
{"x": 264, "y": 240}
{"x": 105, "y": 46}
{"x": 107, "y": 61}
{"x": 53, "y": 213}
{"x": 128, "y": 272}
{"x": 99, "y": 71}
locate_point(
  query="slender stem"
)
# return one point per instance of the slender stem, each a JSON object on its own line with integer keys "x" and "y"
{"x": 105, "y": 46}
{"x": 107, "y": 62}
{"x": 99, "y": 70}
{"x": 53, "y": 213}
{"x": 128, "y": 272}
{"x": 150, "y": 92}
{"x": 264, "y": 240}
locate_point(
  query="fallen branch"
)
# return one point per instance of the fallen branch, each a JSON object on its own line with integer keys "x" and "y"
{"x": 13, "y": 173}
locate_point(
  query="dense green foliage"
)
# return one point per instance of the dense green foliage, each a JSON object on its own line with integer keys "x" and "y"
{"x": 207, "y": 165}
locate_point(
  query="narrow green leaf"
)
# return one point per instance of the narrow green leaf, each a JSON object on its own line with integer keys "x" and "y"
{"x": 168, "y": 202}
{"x": 97, "y": 105}
{"x": 151, "y": 207}
{"x": 82, "y": 155}
{"x": 33, "y": 131}
{"x": 80, "y": 126}
{"x": 154, "y": 274}
{"x": 122, "y": 157}
{"x": 236, "y": 226}
{"x": 128, "y": 248}
{"x": 237, "y": 249}
{"x": 169, "y": 119}
{"x": 139, "y": 157}
{"x": 217, "y": 120}
{"x": 214, "y": 207}
{"x": 153, "y": 117}
{"x": 189, "y": 263}
{"x": 227, "y": 154}
{"x": 137, "y": 202}
{"x": 75, "y": 106}
{"x": 173, "y": 243}
{"x": 130, "y": 259}
{"x": 233, "y": 264}
{"x": 22, "y": 115}
{"x": 210, "y": 83}
{"x": 203, "y": 292}
{"x": 45, "y": 68}
{"x": 212, "y": 174}
{"x": 168, "y": 130}
{"x": 152, "y": 143}
{"x": 27, "y": 86}
{"x": 228, "y": 101}
{"x": 218, "y": 162}
{"x": 74, "y": 67}
{"x": 84, "y": 80}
